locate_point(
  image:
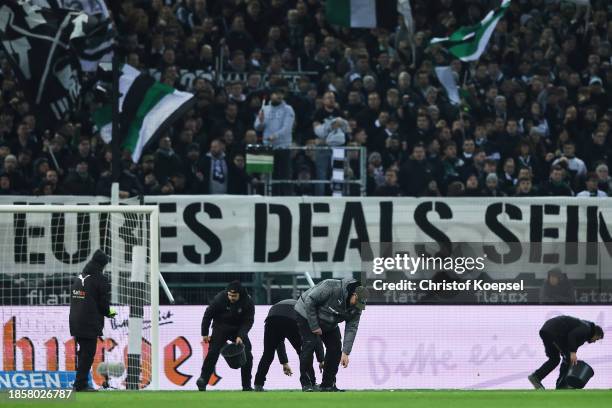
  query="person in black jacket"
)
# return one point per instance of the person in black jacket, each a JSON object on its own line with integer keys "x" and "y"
{"x": 557, "y": 288}
{"x": 416, "y": 173}
{"x": 562, "y": 336}
{"x": 281, "y": 325}
{"x": 232, "y": 313}
{"x": 89, "y": 304}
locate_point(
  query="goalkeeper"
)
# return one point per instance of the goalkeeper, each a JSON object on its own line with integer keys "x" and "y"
{"x": 89, "y": 304}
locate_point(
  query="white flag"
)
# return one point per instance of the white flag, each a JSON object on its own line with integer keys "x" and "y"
{"x": 447, "y": 78}
{"x": 403, "y": 7}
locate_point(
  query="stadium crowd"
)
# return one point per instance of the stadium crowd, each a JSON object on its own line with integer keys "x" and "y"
{"x": 534, "y": 119}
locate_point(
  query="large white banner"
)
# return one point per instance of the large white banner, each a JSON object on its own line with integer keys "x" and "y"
{"x": 295, "y": 234}
{"x": 397, "y": 347}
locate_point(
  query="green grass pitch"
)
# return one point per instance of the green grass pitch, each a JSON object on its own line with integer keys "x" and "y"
{"x": 289, "y": 399}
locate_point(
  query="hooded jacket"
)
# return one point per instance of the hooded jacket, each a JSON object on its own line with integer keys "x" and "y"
{"x": 278, "y": 120}
{"x": 326, "y": 305}
{"x": 562, "y": 292}
{"x": 90, "y": 298}
{"x": 568, "y": 332}
{"x": 237, "y": 316}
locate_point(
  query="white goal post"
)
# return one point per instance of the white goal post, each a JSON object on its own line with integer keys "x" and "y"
{"x": 44, "y": 247}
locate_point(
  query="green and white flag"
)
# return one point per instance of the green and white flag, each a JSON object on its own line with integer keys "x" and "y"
{"x": 147, "y": 108}
{"x": 362, "y": 13}
{"x": 259, "y": 163}
{"x": 468, "y": 43}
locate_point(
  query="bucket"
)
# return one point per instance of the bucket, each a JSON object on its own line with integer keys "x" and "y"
{"x": 234, "y": 354}
{"x": 579, "y": 375}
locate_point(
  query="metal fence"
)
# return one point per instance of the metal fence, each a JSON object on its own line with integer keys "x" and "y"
{"x": 311, "y": 170}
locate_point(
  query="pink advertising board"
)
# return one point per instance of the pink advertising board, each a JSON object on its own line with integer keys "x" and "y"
{"x": 397, "y": 347}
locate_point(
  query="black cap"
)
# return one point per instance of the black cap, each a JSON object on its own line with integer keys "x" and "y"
{"x": 234, "y": 286}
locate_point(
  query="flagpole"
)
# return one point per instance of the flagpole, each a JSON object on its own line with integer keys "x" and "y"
{"x": 116, "y": 131}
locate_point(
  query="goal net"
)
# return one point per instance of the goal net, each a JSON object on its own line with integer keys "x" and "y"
{"x": 44, "y": 248}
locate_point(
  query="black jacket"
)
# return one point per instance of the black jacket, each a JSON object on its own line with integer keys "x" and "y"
{"x": 414, "y": 176}
{"x": 89, "y": 299}
{"x": 77, "y": 185}
{"x": 569, "y": 332}
{"x": 284, "y": 308}
{"x": 235, "y": 181}
{"x": 283, "y": 313}
{"x": 563, "y": 292}
{"x": 555, "y": 189}
{"x": 233, "y": 316}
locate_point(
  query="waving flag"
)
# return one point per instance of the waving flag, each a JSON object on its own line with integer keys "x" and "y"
{"x": 147, "y": 108}
{"x": 37, "y": 43}
{"x": 96, "y": 43}
{"x": 468, "y": 43}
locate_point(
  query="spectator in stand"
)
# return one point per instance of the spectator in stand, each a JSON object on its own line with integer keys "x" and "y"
{"x": 491, "y": 188}
{"x": 604, "y": 181}
{"x": 11, "y": 170}
{"x": 5, "y": 185}
{"x": 25, "y": 140}
{"x": 214, "y": 170}
{"x": 84, "y": 153}
{"x": 541, "y": 93}
{"x": 597, "y": 150}
{"x": 452, "y": 166}
{"x": 129, "y": 186}
{"x": 151, "y": 185}
{"x": 52, "y": 179}
{"x": 376, "y": 169}
{"x": 416, "y": 173}
{"x": 575, "y": 166}
{"x": 389, "y": 188}
{"x": 455, "y": 189}
{"x": 472, "y": 187}
{"x": 327, "y": 121}
{"x": 524, "y": 188}
{"x": 167, "y": 162}
{"x": 4, "y": 151}
{"x": 230, "y": 120}
{"x": 592, "y": 189}
{"x": 146, "y": 167}
{"x": 556, "y": 184}
{"x": 241, "y": 180}
{"x": 507, "y": 178}
{"x": 79, "y": 182}
{"x": 275, "y": 121}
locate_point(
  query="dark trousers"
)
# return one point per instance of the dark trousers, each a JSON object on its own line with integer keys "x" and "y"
{"x": 218, "y": 339}
{"x": 275, "y": 332}
{"x": 333, "y": 352}
{"x": 554, "y": 358}
{"x": 282, "y": 171}
{"x": 86, "y": 350}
